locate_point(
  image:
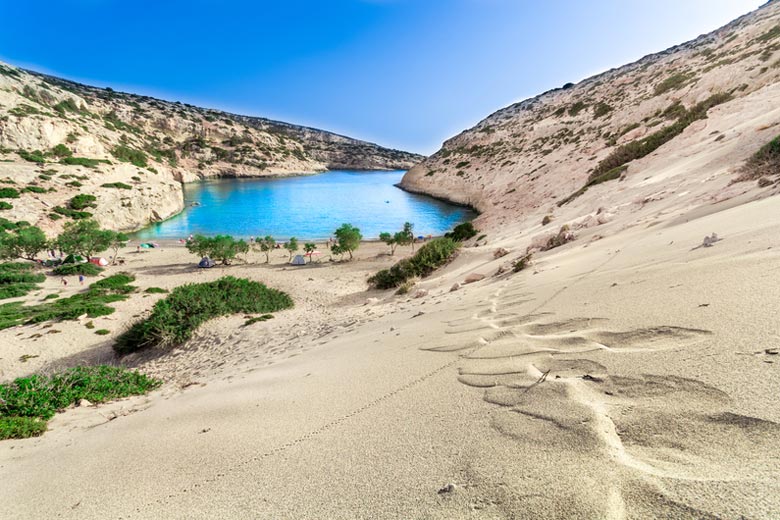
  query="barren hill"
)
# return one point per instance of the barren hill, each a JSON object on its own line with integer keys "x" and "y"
{"x": 59, "y": 138}
{"x": 664, "y": 134}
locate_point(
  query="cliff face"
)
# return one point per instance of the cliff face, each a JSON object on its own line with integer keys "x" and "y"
{"x": 679, "y": 122}
{"x": 59, "y": 139}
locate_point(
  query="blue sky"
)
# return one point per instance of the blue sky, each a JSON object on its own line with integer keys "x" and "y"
{"x": 403, "y": 73}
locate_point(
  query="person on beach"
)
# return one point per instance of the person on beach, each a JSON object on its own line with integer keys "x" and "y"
{"x": 64, "y": 282}
{"x": 81, "y": 279}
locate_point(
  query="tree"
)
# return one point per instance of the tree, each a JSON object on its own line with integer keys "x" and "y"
{"x": 118, "y": 241}
{"x": 348, "y": 239}
{"x": 390, "y": 240}
{"x": 61, "y": 151}
{"x": 221, "y": 247}
{"x": 23, "y": 242}
{"x": 84, "y": 238}
{"x": 266, "y": 245}
{"x": 291, "y": 246}
{"x": 309, "y": 248}
{"x": 408, "y": 234}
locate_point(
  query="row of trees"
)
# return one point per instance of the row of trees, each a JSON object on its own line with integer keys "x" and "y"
{"x": 80, "y": 237}
{"x": 224, "y": 248}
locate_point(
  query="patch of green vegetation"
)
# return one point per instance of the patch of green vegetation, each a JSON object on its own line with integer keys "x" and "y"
{"x": 35, "y": 156}
{"x": 674, "y": 82}
{"x": 117, "y": 185}
{"x": 5, "y": 205}
{"x": 118, "y": 283}
{"x": 176, "y": 317}
{"x": 24, "y": 110}
{"x": 462, "y": 164}
{"x": 85, "y": 268}
{"x": 576, "y": 108}
{"x": 102, "y": 332}
{"x": 155, "y": 290}
{"x": 74, "y": 184}
{"x": 427, "y": 259}
{"x": 601, "y": 109}
{"x": 82, "y": 201}
{"x": 114, "y": 123}
{"x": 51, "y": 296}
{"x": 462, "y": 232}
{"x": 93, "y": 303}
{"x": 18, "y": 279}
{"x": 127, "y": 154}
{"x": 764, "y": 163}
{"x": 28, "y": 402}
{"x": 67, "y": 105}
{"x": 68, "y": 212}
{"x": 82, "y": 161}
{"x": 34, "y": 189}
{"x": 771, "y": 34}
{"x": 9, "y": 193}
{"x": 256, "y": 319}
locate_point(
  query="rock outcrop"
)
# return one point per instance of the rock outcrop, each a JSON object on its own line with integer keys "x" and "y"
{"x": 672, "y": 127}
{"x": 59, "y": 139}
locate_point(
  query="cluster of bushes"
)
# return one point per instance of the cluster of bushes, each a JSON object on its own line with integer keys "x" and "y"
{"x": 93, "y": 303}
{"x": 18, "y": 278}
{"x": 117, "y": 185}
{"x": 82, "y": 201}
{"x": 82, "y": 161}
{"x": 427, "y": 259}
{"x": 35, "y": 156}
{"x": 222, "y": 248}
{"x": 27, "y": 403}
{"x": 9, "y": 193}
{"x": 176, "y": 317}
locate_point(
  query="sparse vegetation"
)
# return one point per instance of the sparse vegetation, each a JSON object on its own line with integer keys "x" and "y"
{"x": 28, "y": 402}
{"x": 674, "y": 82}
{"x": 18, "y": 279}
{"x": 764, "y": 164}
{"x": 522, "y": 263}
{"x": 127, "y": 154}
{"x": 82, "y": 161}
{"x": 117, "y": 185}
{"x": 176, "y": 317}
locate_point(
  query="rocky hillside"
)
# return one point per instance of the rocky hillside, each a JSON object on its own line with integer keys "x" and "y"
{"x": 669, "y": 133}
{"x": 59, "y": 139}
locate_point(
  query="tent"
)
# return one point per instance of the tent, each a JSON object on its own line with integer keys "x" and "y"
{"x": 206, "y": 262}
{"x": 98, "y": 260}
{"x": 298, "y": 260}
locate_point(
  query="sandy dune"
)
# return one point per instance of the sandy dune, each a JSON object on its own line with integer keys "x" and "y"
{"x": 627, "y": 377}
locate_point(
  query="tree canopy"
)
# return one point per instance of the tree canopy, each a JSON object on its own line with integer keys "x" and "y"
{"x": 348, "y": 239}
{"x": 223, "y": 248}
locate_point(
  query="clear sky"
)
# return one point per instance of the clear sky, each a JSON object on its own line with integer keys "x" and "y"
{"x": 404, "y": 73}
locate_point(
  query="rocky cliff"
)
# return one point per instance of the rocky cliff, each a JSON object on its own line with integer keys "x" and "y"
{"x": 59, "y": 139}
{"x": 668, "y": 132}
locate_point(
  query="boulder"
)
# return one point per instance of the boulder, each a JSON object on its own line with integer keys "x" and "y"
{"x": 474, "y": 277}
{"x": 455, "y": 287}
{"x": 498, "y": 253}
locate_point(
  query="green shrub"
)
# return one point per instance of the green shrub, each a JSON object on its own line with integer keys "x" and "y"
{"x": 28, "y": 402}
{"x": 86, "y": 268}
{"x": 117, "y": 185}
{"x": 127, "y": 154}
{"x": 175, "y": 318}
{"x": 61, "y": 151}
{"x": 21, "y": 427}
{"x": 601, "y": 109}
{"x": 75, "y": 215}
{"x": 82, "y": 161}
{"x": 51, "y": 296}
{"x": 155, "y": 290}
{"x": 35, "y": 156}
{"x": 82, "y": 201}
{"x": 674, "y": 82}
{"x": 117, "y": 283}
{"x": 9, "y": 193}
{"x": 34, "y": 189}
{"x": 5, "y": 205}
{"x": 427, "y": 259}
{"x": 102, "y": 332}
{"x": 462, "y": 232}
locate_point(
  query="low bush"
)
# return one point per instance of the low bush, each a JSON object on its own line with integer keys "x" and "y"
{"x": 117, "y": 185}
{"x": 85, "y": 268}
{"x": 176, "y": 317}
{"x": 68, "y": 212}
{"x": 155, "y": 290}
{"x": 427, "y": 259}
{"x": 765, "y": 162}
{"x": 34, "y": 189}
{"x": 81, "y": 161}
{"x": 462, "y": 232}
{"x": 118, "y": 283}
{"x": 35, "y": 156}
{"x": 5, "y": 205}
{"x": 9, "y": 193}
{"x": 82, "y": 201}
{"x": 18, "y": 279}
{"x": 28, "y": 402}
{"x": 127, "y": 154}
{"x": 102, "y": 332}
{"x": 256, "y": 319}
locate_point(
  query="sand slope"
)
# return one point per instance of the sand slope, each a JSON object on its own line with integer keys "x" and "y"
{"x": 627, "y": 377}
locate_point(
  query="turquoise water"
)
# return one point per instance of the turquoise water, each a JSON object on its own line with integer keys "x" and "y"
{"x": 307, "y": 207}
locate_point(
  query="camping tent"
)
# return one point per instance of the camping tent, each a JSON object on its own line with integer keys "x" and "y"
{"x": 299, "y": 260}
{"x": 206, "y": 262}
{"x": 98, "y": 260}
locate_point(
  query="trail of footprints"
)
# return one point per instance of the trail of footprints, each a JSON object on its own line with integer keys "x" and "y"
{"x": 663, "y": 426}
